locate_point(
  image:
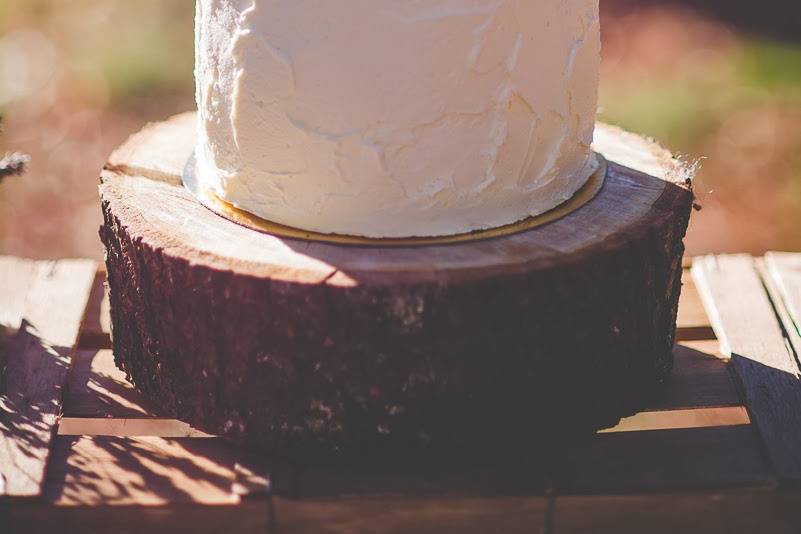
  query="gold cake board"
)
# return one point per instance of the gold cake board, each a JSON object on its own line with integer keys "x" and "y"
{"x": 210, "y": 200}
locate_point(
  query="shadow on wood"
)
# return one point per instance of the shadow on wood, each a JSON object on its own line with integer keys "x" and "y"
{"x": 97, "y": 388}
{"x": 751, "y": 320}
{"x": 29, "y": 409}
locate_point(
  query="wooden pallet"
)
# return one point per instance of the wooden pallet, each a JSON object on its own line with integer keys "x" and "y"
{"x": 720, "y": 451}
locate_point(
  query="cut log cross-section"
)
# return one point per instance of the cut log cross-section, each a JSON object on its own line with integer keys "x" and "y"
{"x": 306, "y": 349}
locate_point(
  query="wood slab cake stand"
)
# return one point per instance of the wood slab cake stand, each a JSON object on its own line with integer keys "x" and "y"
{"x": 308, "y": 349}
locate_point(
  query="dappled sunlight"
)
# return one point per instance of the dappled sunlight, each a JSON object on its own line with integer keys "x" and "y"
{"x": 141, "y": 471}
{"x": 28, "y": 415}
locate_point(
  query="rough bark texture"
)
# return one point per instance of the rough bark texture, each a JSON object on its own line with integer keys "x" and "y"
{"x": 484, "y": 361}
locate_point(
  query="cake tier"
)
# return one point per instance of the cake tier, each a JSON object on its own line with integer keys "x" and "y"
{"x": 395, "y": 119}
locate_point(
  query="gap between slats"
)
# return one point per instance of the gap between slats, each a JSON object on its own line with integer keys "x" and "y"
{"x": 692, "y": 323}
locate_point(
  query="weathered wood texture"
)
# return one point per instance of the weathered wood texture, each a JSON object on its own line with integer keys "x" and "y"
{"x": 690, "y": 462}
{"x": 782, "y": 275}
{"x": 748, "y": 325}
{"x": 710, "y": 512}
{"x": 97, "y": 388}
{"x": 144, "y": 484}
{"x": 440, "y": 515}
{"x": 314, "y": 348}
{"x": 44, "y": 303}
{"x": 114, "y": 462}
{"x": 142, "y": 471}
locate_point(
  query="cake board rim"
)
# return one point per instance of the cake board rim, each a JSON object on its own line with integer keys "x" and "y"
{"x": 584, "y": 194}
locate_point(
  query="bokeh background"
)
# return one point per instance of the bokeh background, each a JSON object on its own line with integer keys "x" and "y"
{"x": 713, "y": 79}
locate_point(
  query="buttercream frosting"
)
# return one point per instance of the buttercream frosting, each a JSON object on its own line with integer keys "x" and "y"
{"x": 396, "y": 118}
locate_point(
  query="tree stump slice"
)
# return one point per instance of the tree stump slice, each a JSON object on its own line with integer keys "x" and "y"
{"x": 311, "y": 351}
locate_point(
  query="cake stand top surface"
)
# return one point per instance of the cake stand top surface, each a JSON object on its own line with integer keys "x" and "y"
{"x": 142, "y": 184}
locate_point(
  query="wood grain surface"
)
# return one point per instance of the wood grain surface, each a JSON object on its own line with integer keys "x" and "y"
{"x": 691, "y": 461}
{"x": 751, "y": 332}
{"x": 44, "y": 302}
{"x": 781, "y": 273}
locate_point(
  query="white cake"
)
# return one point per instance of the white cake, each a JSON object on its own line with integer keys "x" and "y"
{"x": 394, "y": 118}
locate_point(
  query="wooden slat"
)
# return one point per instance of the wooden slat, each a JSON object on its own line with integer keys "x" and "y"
{"x": 692, "y": 322}
{"x": 247, "y": 517}
{"x": 399, "y": 515}
{"x": 782, "y": 274}
{"x": 701, "y": 378}
{"x": 746, "y": 511}
{"x": 162, "y": 428}
{"x": 662, "y": 460}
{"x": 38, "y": 359}
{"x": 786, "y": 267}
{"x": 436, "y": 478}
{"x": 97, "y": 388}
{"x": 702, "y": 456}
{"x": 18, "y": 276}
{"x": 146, "y": 471}
{"x": 96, "y": 327}
{"x": 679, "y": 419}
{"x": 749, "y": 330}
{"x": 708, "y": 349}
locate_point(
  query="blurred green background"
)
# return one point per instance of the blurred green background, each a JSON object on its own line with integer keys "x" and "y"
{"x": 710, "y": 79}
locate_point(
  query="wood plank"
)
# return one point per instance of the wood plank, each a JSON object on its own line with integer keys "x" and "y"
{"x": 399, "y": 515}
{"x": 163, "y": 428}
{"x": 662, "y": 460}
{"x": 18, "y": 276}
{"x": 786, "y": 267}
{"x": 145, "y": 471}
{"x": 745, "y": 511}
{"x": 96, "y": 327}
{"x": 97, "y": 388}
{"x": 250, "y": 516}
{"x": 678, "y": 419}
{"x": 749, "y": 330}
{"x": 38, "y": 359}
{"x": 429, "y": 477}
{"x": 708, "y": 349}
{"x": 692, "y": 322}
{"x": 782, "y": 273}
{"x": 701, "y": 378}
{"x": 683, "y": 449}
